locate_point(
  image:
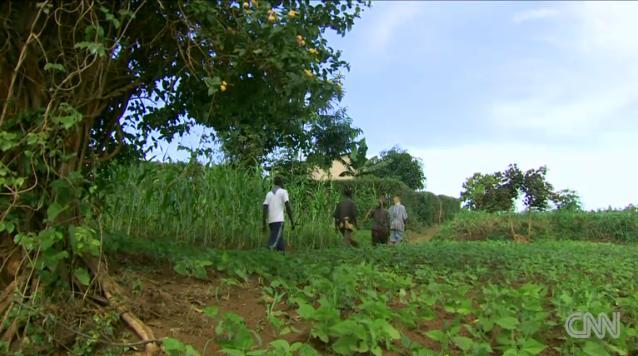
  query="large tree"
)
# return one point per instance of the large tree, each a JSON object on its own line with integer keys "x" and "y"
{"x": 498, "y": 191}
{"x": 84, "y": 81}
{"x": 567, "y": 199}
{"x": 399, "y": 164}
{"x": 393, "y": 163}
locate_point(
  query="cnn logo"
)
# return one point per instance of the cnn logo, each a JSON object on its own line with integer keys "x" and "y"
{"x": 601, "y": 326}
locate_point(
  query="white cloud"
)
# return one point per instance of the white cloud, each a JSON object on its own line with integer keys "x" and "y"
{"x": 387, "y": 22}
{"x": 585, "y": 76}
{"x": 534, "y": 14}
{"x": 602, "y": 176}
{"x": 609, "y": 29}
{"x": 552, "y": 114}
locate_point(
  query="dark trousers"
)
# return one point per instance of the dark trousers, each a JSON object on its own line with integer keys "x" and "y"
{"x": 347, "y": 234}
{"x": 276, "y": 239}
{"x": 380, "y": 236}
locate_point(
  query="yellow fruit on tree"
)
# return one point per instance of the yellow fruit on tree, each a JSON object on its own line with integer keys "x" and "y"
{"x": 307, "y": 72}
{"x": 271, "y": 16}
{"x": 222, "y": 88}
{"x": 246, "y": 5}
{"x": 312, "y": 51}
{"x": 292, "y": 13}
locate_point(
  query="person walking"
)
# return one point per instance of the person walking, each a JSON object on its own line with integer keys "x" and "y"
{"x": 381, "y": 223}
{"x": 398, "y": 219}
{"x": 346, "y": 217}
{"x": 273, "y": 214}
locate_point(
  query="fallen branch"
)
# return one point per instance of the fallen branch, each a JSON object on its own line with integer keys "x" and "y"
{"x": 111, "y": 290}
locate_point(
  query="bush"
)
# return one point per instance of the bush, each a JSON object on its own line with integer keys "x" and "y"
{"x": 616, "y": 226}
{"x": 424, "y": 208}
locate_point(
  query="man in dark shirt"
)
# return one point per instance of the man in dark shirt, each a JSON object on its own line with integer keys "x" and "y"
{"x": 381, "y": 226}
{"x": 346, "y": 217}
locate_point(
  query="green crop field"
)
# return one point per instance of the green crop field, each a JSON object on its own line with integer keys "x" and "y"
{"x": 139, "y": 141}
{"x": 440, "y": 297}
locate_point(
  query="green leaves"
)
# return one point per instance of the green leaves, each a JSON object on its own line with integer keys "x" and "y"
{"x": 233, "y": 334}
{"x": 436, "y": 335}
{"x": 213, "y": 84}
{"x": 95, "y": 48}
{"x": 507, "y": 323}
{"x": 66, "y": 116}
{"x": 54, "y": 67}
{"x": 211, "y": 311}
{"x": 463, "y": 343}
{"x": 111, "y": 17}
{"x": 498, "y": 191}
{"x": 533, "y": 347}
{"x": 54, "y": 210}
{"x": 8, "y": 140}
{"x": 399, "y": 164}
{"x": 84, "y": 241}
{"x": 82, "y": 275}
{"x": 593, "y": 348}
{"x": 174, "y": 347}
{"x": 7, "y": 226}
{"x": 193, "y": 268}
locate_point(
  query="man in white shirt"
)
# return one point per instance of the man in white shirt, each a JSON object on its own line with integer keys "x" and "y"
{"x": 274, "y": 205}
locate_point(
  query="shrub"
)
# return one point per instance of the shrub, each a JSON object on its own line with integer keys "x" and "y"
{"x": 616, "y": 226}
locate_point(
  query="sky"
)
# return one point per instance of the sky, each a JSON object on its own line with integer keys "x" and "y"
{"x": 474, "y": 86}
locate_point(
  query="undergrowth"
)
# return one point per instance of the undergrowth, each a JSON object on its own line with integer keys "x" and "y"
{"x": 442, "y": 297}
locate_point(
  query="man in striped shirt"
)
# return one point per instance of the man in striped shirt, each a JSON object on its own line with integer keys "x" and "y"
{"x": 398, "y": 219}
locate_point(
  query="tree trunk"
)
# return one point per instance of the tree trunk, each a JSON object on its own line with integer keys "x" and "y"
{"x": 30, "y": 98}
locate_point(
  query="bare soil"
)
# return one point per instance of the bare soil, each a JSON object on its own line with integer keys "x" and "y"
{"x": 172, "y": 305}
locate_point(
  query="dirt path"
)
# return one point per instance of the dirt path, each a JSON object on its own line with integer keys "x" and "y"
{"x": 172, "y": 305}
{"x": 422, "y": 236}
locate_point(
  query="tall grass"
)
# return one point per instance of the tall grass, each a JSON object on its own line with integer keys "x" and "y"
{"x": 215, "y": 206}
{"x": 221, "y": 206}
{"x": 613, "y": 226}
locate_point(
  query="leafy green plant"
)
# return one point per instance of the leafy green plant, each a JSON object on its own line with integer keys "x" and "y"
{"x": 174, "y": 347}
{"x": 193, "y": 268}
{"x": 484, "y": 297}
{"x": 233, "y": 335}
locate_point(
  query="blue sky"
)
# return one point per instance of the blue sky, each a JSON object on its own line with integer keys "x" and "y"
{"x": 473, "y": 86}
